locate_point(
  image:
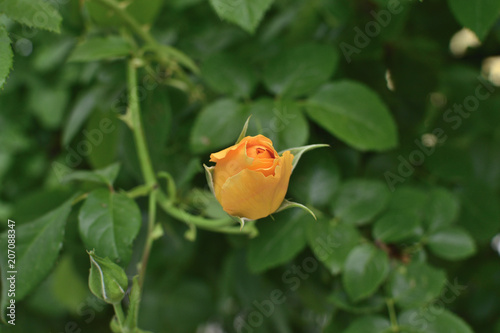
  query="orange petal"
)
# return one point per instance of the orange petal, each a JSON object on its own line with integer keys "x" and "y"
{"x": 266, "y": 166}
{"x": 259, "y": 140}
{"x": 215, "y": 157}
{"x": 233, "y": 162}
{"x": 249, "y": 141}
{"x": 252, "y": 195}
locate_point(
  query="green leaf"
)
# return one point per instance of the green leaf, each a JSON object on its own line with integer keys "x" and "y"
{"x": 481, "y": 211}
{"x": 368, "y": 306}
{"x": 107, "y": 280}
{"x": 81, "y": 110}
{"x": 40, "y": 202}
{"x": 52, "y": 53}
{"x": 144, "y": 12}
{"x": 447, "y": 162}
{"x": 409, "y": 199}
{"x": 109, "y": 173}
{"x": 105, "y": 175}
{"x": 278, "y": 241}
{"x": 332, "y": 242}
{"x": 100, "y": 48}
{"x": 33, "y": 13}
{"x": 441, "y": 210}
{"x": 227, "y": 74}
{"x": 316, "y": 179}
{"x": 396, "y": 227}
{"x": 216, "y": 126}
{"x": 5, "y": 55}
{"x": 68, "y": 286}
{"x": 37, "y": 246}
{"x": 102, "y": 136}
{"x": 358, "y": 201}
{"x": 365, "y": 269}
{"x": 179, "y": 56}
{"x": 245, "y": 13}
{"x": 281, "y": 121}
{"x": 416, "y": 284}
{"x": 48, "y": 104}
{"x": 62, "y": 291}
{"x": 452, "y": 243}
{"x": 478, "y": 15}
{"x": 372, "y": 324}
{"x": 157, "y": 121}
{"x": 109, "y": 223}
{"x": 419, "y": 321}
{"x": 355, "y": 114}
{"x": 300, "y": 71}
{"x": 485, "y": 160}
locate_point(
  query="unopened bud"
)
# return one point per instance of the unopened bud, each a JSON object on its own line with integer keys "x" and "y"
{"x": 107, "y": 280}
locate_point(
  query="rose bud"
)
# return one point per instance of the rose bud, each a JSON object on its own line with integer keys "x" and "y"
{"x": 250, "y": 179}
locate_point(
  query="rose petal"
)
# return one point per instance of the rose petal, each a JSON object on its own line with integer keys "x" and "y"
{"x": 234, "y": 161}
{"x": 259, "y": 140}
{"x": 266, "y": 166}
{"x": 252, "y": 195}
{"x": 248, "y": 141}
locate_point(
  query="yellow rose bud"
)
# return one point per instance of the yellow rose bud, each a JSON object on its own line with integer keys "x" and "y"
{"x": 250, "y": 178}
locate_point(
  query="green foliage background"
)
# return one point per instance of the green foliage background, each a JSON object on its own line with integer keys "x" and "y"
{"x": 407, "y": 197}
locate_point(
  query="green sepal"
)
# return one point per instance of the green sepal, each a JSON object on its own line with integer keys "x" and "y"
{"x": 289, "y": 204}
{"x": 298, "y": 151}
{"x": 241, "y": 220}
{"x": 244, "y": 130}
{"x": 209, "y": 173}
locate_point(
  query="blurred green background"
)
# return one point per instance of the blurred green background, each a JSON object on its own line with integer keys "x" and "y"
{"x": 407, "y": 197}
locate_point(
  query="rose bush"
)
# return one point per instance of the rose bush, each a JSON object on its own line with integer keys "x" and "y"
{"x": 103, "y": 128}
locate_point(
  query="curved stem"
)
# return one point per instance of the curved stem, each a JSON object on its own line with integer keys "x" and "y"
{"x": 183, "y": 216}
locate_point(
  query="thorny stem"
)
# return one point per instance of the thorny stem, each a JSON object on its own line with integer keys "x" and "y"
{"x": 145, "y": 162}
{"x": 140, "y": 140}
